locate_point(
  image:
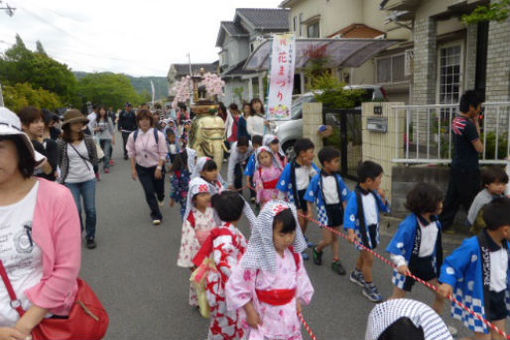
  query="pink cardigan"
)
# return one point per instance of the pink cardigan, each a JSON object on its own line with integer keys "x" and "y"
{"x": 56, "y": 230}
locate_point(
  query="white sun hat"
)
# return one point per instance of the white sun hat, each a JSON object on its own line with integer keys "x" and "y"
{"x": 10, "y": 125}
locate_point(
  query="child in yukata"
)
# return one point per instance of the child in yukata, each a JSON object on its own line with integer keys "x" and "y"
{"x": 225, "y": 245}
{"x": 416, "y": 247}
{"x": 207, "y": 169}
{"x": 272, "y": 142}
{"x": 249, "y": 171}
{"x": 270, "y": 284}
{"x": 494, "y": 182}
{"x": 329, "y": 192}
{"x": 361, "y": 220}
{"x": 267, "y": 175}
{"x": 477, "y": 273}
{"x": 197, "y": 225}
{"x": 179, "y": 180}
{"x": 171, "y": 141}
{"x": 296, "y": 178}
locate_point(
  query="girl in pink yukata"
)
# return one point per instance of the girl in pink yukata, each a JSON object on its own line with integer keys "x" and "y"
{"x": 273, "y": 143}
{"x": 225, "y": 245}
{"x": 266, "y": 176}
{"x": 197, "y": 225}
{"x": 271, "y": 282}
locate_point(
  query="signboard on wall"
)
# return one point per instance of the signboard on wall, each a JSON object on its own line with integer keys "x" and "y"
{"x": 283, "y": 60}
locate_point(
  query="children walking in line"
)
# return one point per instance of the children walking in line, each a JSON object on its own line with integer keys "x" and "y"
{"x": 272, "y": 142}
{"x": 416, "y": 247}
{"x": 271, "y": 282}
{"x": 330, "y": 194}
{"x": 477, "y": 273}
{"x": 361, "y": 220}
{"x": 494, "y": 181}
{"x": 240, "y": 151}
{"x": 256, "y": 142}
{"x": 196, "y": 227}
{"x": 267, "y": 175}
{"x": 179, "y": 181}
{"x": 225, "y": 245}
{"x": 296, "y": 178}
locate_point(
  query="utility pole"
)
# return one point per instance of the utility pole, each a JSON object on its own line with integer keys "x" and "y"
{"x": 191, "y": 99}
{"x": 10, "y": 12}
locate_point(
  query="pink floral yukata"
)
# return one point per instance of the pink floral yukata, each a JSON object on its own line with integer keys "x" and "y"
{"x": 228, "y": 247}
{"x": 266, "y": 179}
{"x": 278, "y": 322}
{"x": 195, "y": 230}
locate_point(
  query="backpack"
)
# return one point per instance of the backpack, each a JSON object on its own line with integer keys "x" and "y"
{"x": 156, "y": 135}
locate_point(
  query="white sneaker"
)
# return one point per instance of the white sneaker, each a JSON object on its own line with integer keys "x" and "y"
{"x": 161, "y": 203}
{"x": 156, "y": 222}
{"x": 453, "y": 331}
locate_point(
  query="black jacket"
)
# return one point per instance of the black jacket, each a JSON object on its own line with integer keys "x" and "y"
{"x": 127, "y": 121}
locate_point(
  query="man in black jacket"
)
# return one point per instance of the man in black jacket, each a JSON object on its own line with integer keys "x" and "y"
{"x": 127, "y": 124}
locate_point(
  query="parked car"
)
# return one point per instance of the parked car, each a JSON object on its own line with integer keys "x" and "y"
{"x": 288, "y": 131}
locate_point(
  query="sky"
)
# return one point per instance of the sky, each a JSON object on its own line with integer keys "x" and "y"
{"x": 139, "y": 38}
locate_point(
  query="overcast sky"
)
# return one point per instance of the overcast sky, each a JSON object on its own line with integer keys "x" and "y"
{"x": 140, "y": 38}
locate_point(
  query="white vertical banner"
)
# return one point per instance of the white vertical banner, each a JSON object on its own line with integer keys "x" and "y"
{"x": 283, "y": 60}
{"x": 153, "y": 93}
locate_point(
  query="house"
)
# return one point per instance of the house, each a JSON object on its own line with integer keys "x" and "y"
{"x": 450, "y": 56}
{"x": 359, "y": 19}
{"x": 237, "y": 39}
{"x": 178, "y": 71}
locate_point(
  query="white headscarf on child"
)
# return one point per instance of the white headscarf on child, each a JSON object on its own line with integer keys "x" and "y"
{"x": 268, "y": 139}
{"x": 261, "y": 253}
{"x": 192, "y": 158}
{"x": 385, "y": 314}
{"x": 199, "y": 166}
{"x": 259, "y": 151}
{"x": 196, "y": 186}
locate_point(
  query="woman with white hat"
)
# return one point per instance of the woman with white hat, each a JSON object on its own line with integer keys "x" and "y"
{"x": 40, "y": 252}
{"x": 77, "y": 157}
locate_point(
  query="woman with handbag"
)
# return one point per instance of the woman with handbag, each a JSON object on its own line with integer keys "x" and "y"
{"x": 77, "y": 156}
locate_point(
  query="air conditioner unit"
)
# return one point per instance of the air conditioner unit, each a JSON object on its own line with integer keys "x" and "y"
{"x": 409, "y": 62}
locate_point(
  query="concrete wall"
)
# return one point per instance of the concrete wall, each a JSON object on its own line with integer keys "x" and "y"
{"x": 498, "y": 62}
{"x": 380, "y": 147}
{"x": 312, "y": 119}
{"x": 237, "y": 48}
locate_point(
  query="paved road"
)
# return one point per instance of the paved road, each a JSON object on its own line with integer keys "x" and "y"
{"x": 134, "y": 272}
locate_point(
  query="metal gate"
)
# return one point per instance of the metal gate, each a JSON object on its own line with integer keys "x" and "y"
{"x": 346, "y": 137}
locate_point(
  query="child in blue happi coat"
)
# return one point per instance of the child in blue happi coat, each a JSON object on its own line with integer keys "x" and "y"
{"x": 361, "y": 220}
{"x": 416, "y": 247}
{"x": 296, "y": 178}
{"x": 329, "y": 193}
{"x": 249, "y": 171}
{"x": 477, "y": 273}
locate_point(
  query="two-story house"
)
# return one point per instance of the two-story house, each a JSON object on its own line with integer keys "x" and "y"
{"x": 237, "y": 39}
{"x": 359, "y": 19}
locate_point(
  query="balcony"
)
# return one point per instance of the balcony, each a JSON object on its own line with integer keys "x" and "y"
{"x": 400, "y": 5}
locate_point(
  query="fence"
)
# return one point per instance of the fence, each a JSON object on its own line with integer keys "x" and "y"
{"x": 428, "y": 136}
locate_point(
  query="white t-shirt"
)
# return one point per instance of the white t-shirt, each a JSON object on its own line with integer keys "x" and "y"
{"x": 428, "y": 239}
{"x": 80, "y": 170}
{"x": 22, "y": 258}
{"x": 330, "y": 190}
{"x": 370, "y": 209}
{"x": 303, "y": 175}
{"x": 255, "y": 125}
{"x": 499, "y": 267}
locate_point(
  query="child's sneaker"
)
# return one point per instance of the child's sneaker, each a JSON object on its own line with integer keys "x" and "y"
{"x": 317, "y": 256}
{"x": 310, "y": 244}
{"x": 305, "y": 256}
{"x": 337, "y": 267}
{"x": 370, "y": 291}
{"x": 357, "y": 278}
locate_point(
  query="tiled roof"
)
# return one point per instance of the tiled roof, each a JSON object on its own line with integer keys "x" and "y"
{"x": 357, "y": 31}
{"x": 236, "y": 70}
{"x": 183, "y": 69}
{"x": 234, "y": 29}
{"x": 266, "y": 18}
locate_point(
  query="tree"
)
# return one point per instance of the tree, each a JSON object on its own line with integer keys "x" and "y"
{"x": 39, "y": 48}
{"x": 108, "y": 89}
{"x": 23, "y": 94}
{"x": 497, "y": 10}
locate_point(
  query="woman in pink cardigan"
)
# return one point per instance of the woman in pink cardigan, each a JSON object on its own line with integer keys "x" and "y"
{"x": 40, "y": 241}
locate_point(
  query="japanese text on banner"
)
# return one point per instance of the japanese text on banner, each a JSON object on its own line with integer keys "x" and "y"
{"x": 283, "y": 59}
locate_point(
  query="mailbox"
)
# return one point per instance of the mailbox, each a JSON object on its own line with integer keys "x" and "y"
{"x": 377, "y": 124}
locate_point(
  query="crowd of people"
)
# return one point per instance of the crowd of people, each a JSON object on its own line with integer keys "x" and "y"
{"x": 250, "y": 288}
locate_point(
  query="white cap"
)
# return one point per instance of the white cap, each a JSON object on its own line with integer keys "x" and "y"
{"x": 10, "y": 125}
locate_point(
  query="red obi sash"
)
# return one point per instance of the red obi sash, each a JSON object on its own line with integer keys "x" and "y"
{"x": 270, "y": 184}
{"x": 276, "y": 297}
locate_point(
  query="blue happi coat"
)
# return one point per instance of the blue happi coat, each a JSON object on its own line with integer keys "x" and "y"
{"x": 285, "y": 184}
{"x": 351, "y": 216}
{"x": 314, "y": 194}
{"x": 403, "y": 243}
{"x": 463, "y": 271}
{"x": 250, "y": 166}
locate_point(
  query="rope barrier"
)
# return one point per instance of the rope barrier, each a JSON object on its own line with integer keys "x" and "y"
{"x": 426, "y": 284}
{"x": 307, "y": 327}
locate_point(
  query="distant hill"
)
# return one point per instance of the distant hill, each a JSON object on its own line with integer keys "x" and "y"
{"x": 142, "y": 83}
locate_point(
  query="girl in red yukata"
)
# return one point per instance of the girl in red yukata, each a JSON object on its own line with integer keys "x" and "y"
{"x": 270, "y": 284}
{"x": 225, "y": 246}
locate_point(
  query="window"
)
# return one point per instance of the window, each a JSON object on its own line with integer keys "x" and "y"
{"x": 295, "y": 23}
{"x": 391, "y": 69}
{"x": 449, "y": 74}
{"x": 300, "y": 24}
{"x": 251, "y": 47}
{"x": 312, "y": 30}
